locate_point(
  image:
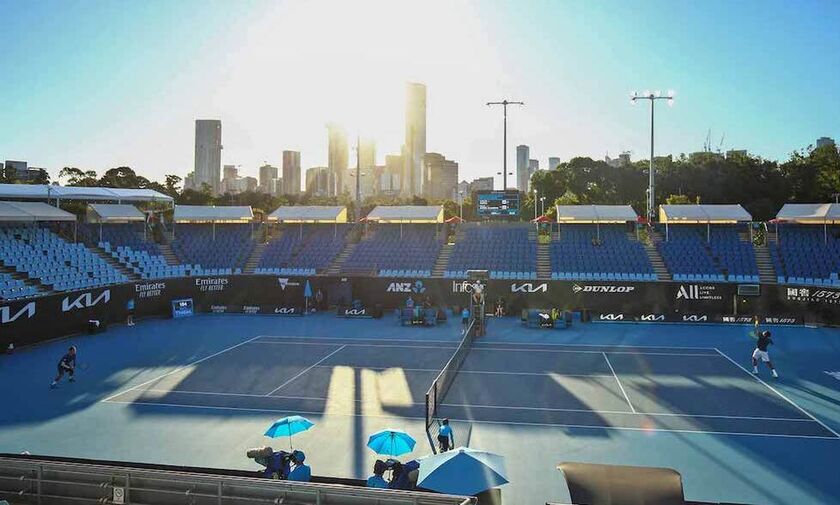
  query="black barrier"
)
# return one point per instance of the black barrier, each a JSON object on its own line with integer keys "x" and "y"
{"x": 36, "y": 319}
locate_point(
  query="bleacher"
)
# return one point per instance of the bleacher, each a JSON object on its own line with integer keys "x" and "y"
{"x": 807, "y": 254}
{"x": 11, "y": 288}
{"x": 125, "y": 243}
{"x": 56, "y": 263}
{"x": 579, "y": 254}
{"x": 205, "y": 251}
{"x": 721, "y": 257}
{"x": 395, "y": 251}
{"x": 505, "y": 250}
{"x": 303, "y": 251}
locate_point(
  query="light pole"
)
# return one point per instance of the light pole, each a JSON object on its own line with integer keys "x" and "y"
{"x": 542, "y": 205}
{"x": 461, "y": 202}
{"x": 652, "y": 97}
{"x": 504, "y": 103}
{"x": 536, "y": 193}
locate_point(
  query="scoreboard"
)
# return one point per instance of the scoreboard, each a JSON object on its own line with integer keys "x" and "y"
{"x": 497, "y": 203}
{"x": 182, "y": 308}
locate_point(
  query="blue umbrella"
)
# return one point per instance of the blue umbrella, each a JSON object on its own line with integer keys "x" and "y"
{"x": 288, "y": 426}
{"x": 391, "y": 442}
{"x": 307, "y": 290}
{"x": 462, "y": 471}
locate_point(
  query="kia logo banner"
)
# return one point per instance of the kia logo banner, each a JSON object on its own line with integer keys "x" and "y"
{"x": 6, "y": 315}
{"x": 529, "y": 287}
{"x": 85, "y": 300}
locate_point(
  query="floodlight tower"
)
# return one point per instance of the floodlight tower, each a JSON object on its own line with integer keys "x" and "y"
{"x": 504, "y": 103}
{"x": 652, "y": 96}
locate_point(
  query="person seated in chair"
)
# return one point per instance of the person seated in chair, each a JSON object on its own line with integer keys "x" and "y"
{"x": 301, "y": 472}
{"x": 376, "y": 480}
{"x": 500, "y": 308}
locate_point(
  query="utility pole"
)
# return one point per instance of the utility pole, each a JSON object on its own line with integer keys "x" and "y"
{"x": 358, "y": 181}
{"x": 504, "y": 103}
{"x": 652, "y": 97}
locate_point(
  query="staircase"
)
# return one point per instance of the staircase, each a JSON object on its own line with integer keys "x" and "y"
{"x": 119, "y": 267}
{"x": 44, "y": 290}
{"x": 338, "y": 262}
{"x": 168, "y": 254}
{"x": 766, "y": 272}
{"x": 543, "y": 261}
{"x": 655, "y": 258}
{"x": 442, "y": 260}
{"x": 254, "y": 259}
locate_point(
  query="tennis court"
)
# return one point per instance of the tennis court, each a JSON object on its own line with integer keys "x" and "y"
{"x": 645, "y": 388}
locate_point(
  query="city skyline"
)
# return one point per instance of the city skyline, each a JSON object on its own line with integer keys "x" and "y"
{"x": 113, "y": 114}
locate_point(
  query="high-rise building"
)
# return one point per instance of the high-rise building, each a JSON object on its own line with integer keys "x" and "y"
{"x": 189, "y": 181}
{"x": 208, "y": 153}
{"x": 337, "y": 157}
{"x": 318, "y": 181}
{"x": 20, "y": 171}
{"x": 825, "y": 141}
{"x": 552, "y": 163}
{"x": 291, "y": 173}
{"x": 415, "y": 139}
{"x": 268, "y": 176}
{"x": 391, "y": 176}
{"x": 442, "y": 182}
{"x": 523, "y": 154}
{"x": 230, "y": 179}
{"x": 367, "y": 164}
{"x": 481, "y": 184}
{"x": 248, "y": 184}
{"x": 623, "y": 160}
{"x": 533, "y": 166}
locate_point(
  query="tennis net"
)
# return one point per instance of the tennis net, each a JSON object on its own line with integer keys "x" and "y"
{"x": 441, "y": 384}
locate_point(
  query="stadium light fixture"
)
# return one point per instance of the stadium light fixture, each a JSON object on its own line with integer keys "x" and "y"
{"x": 652, "y": 96}
{"x": 504, "y": 103}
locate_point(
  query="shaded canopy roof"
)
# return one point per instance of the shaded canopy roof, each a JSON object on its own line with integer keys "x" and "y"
{"x": 595, "y": 213}
{"x": 47, "y": 192}
{"x": 32, "y": 211}
{"x": 206, "y": 213}
{"x": 406, "y": 214}
{"x": 105, "y": 212}
{"x": 809, "y": 212}
{"x": 703, "y": 213}
{"x": 309, "y": 214}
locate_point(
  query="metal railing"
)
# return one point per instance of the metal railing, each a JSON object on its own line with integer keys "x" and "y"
{"x": 32, "y": 480}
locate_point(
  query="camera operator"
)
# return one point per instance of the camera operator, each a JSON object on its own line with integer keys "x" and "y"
{"x": 277, "y": 464}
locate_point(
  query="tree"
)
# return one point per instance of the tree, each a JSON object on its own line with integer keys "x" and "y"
{"x": 78, "y": 177}
{"x": 122, "y": 177}
{"x": 678, "y": 200}
{"x": 171, "y": 185}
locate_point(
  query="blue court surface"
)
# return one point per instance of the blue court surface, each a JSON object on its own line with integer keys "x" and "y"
{"x": 200, "y": 391}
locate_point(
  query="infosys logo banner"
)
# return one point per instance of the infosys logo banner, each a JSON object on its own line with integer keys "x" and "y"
{"x": 578, "y": 288}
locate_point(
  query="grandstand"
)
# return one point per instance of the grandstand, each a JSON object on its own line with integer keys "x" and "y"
{"x": 806, "y": 249}
{"x": 507, "y": 251}
{"x": 308, "y": 244}
{"x": 213, "y": 240}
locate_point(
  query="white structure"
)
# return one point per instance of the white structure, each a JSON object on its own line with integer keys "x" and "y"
{"x": 415, "y": 139}
{"x": 523, "y": 157}
{"x": 208, "y": 153}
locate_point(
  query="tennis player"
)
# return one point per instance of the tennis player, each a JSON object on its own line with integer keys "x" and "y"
{"x": 760, "y": 353}
{"x": 67, "y": 365}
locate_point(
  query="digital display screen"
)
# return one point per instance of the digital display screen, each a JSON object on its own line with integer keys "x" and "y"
{"x": 182, "y": 308}
{"x": 498, "y": 203}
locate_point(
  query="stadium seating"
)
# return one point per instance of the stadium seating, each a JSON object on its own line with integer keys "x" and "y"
{"x": 807, "y": 255}
{"x": 206, "y": 253}
{"x": 303, "y": 251}
{"x": 125, "y": 243}
{"x": 11, "y": 288}
{"x": 56, "y": 263}
{"x": 574, "y": 256}
{"x": 690, "y": 256}
{"x": 505, "y": 250}
{"x": 389, "y": 252}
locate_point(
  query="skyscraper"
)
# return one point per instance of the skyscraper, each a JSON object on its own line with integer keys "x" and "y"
{"x": 291, "y": 173}
{"x": 337, "y": 157}
{"x": 367, "y": 163}
{"x": 268, "y": 174}
{"x": 317, "y": 181}
{"x": 415, "y": 139}
{"x": 552, "y": 163}
{"x": 825, "y": 141}
{"x": 442, "y": 174}
{"x": 523, "y": 154}
{"x": 208, "y": 153}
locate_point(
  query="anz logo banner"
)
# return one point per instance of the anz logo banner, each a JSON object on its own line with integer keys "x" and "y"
{"x": 6, "y": 315}
{"x": 85, "y": 300}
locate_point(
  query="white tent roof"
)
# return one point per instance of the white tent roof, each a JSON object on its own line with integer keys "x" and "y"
{"x": 407, "y": 214}
{"x": 114, "y": 212}
{"x": 809, "y": 212}
{"x": 703, "y": 213}
{"x": 32, "y": 211}
{"x": 311, "y": 214}
{"x": 186, "y": 213}
{"x": 45, "y": 192}
{"x": 595, "y": 213}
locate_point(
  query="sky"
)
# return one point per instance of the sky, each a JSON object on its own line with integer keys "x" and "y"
{"x": 98, "y": 84}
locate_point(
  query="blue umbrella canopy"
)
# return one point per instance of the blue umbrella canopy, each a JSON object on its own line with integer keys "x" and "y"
{"x": 307, "y": 290}
{"x": 462, "y": 471}
{"x": 391, "y": 442}
{"x": 288, "y": 426}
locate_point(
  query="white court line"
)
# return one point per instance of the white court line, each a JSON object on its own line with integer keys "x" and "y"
{"x": 182, "y": 367}
{"x": 325, "y": 358}
{"x": 481, "y": 406}
{"x": 503, "y": 423}
{"x": 785, "y": 398}
{"x": 493, "y": 349}
{"x": 503, "y": 342}
{"x": 633, "y": 409}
